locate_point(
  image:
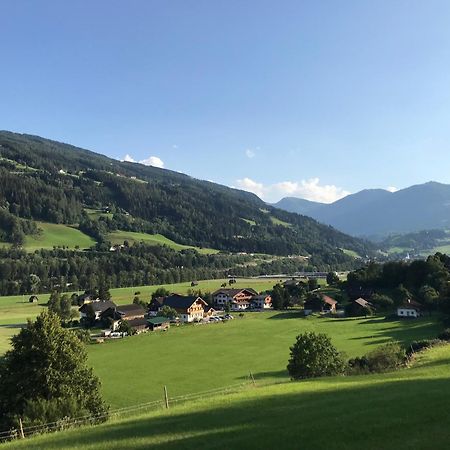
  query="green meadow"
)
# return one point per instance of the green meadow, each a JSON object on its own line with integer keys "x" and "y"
{"x": 194, "y": 358}
{"x": 118, "y": 237}
{"x": 403, "y": 410}
{"x": 57, "y": 235}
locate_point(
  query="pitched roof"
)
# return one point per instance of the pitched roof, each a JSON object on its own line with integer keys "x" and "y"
{"x": 139, "y": 322}
{"x": 98, "y": 306}
{"x": 181, "y": 301}
{"x": 328, "y": 300}
{"x": 411, "y": 304}
{"x": 361, "y": 302}
{"x": 130, "y": 310}
{"x": 158, "y": 320}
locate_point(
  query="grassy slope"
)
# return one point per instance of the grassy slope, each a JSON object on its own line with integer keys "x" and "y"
{"x": 118, "y": 237}
{"x": 222, "y": 354}
{"x": 407, "y": 409}
{"x": 16, "y": 309}
{"x": 56, "y": 235}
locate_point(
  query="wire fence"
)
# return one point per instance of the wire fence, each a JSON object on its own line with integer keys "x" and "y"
{"x": 23, "y": 431}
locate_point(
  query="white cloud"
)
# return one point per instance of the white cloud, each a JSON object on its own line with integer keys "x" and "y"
{"x": 153, "y": 161}
{"x": 250, "y": 153}
{"x": 128, "y": 158}
{"x": 150, "y": 161}
{"x": 308, "y": 189}
{"x": 392, "y": 189}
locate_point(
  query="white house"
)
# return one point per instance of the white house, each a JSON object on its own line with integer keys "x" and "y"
{"x": 189, "y": 308}
{"x": 410, "y": 309}
{"x": 237, "y": 298}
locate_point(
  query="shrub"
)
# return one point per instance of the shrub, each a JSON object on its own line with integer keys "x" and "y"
{"x": 387, "y": 357}
{"x": 390, "y": 356}
{"x": 417, "y": 346}
{"x": 313, "y": 355}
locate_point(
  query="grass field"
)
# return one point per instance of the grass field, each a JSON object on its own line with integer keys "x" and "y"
{"x": 16, "y": 309}
{"x": 221, "y": 354}
{"x": 118, "y": 237}
{"x": 57, "y": 235}
{"x": 403, "y": 410}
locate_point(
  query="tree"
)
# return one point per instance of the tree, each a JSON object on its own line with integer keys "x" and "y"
{"x": 332, "y": 278}
{"x": 382, "y": 302}
{"x": 313, "y": 284}
{"x": 125, "y": 327}
{"x": 167, "y": 311}
{"x": 47, "y": 367}
{"x": 54, "y": 303}
{"x": 65, "y": 313}
{"x": 429, "y": 297}
{"x": 277, "y": 297}
{"x": 160, "y": 292}
{"x": 313, "y": 355}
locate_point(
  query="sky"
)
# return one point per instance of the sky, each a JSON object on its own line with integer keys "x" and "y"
{"x": 314, "y": 99}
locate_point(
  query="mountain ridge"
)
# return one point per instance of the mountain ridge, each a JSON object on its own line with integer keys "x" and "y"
{"x": 49, "y": 181}
{"x": 378, "y": 212}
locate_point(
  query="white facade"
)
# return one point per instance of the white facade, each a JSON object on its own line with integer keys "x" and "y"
{"x": 407, "y": 312}
{"x": 240, "y": 306}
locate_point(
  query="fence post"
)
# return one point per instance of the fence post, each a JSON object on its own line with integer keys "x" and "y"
{"x": 166, "y": 398}
{"x": 21, "y": 428}
{"x": 253, "y": 379}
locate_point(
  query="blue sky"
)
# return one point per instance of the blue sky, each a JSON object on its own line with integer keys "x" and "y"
{"x": 306, "y": 98}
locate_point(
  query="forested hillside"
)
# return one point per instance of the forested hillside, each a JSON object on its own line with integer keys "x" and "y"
{"x": 53, "y": 182}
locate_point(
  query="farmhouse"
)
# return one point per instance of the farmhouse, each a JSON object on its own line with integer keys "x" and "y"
{"x": 236, "y": 298}
{"x": 361, "y": 307}
{"x": 329, "y": 304}
{"x": 190, "y": 308}
{"x": 409, "y": 309}
{"x": 131, "y": 312}
{"x": 324, "y": 304}
{"x": 158, "y": 323}
{"x": 33, "y": 299}
{"x": 98, "y": 307}
{"x": 209, "y": 311}
{"x": 261, "y": 301}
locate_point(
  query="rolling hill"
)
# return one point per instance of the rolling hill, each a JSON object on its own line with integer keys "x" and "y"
{"x": 52, "y": 182}
{"x": 376, "y": 213}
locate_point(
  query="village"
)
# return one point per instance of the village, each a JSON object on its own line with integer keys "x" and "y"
{"x": 176, "y": 309}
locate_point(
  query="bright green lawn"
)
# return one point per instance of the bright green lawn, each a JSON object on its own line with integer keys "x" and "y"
{"x": 193, "y": 358}
{"x": 57, "y": 235}
{"x": 403, "y": 410}
{"x": 118, "y": 237}
{"x": 351, "y": 253}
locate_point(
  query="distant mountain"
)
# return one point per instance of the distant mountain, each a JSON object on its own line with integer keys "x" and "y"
{"x": 54, "y": 182}
{"x": 376, "y": 212}
{"x": 298, "y": 205}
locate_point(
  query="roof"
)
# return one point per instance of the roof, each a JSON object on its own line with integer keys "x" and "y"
{"x": 98, "y": 306}
{"x": 261, "y": 297}
{"x": 232, "y": 292}
{"x": 181, "y": 301}
{"x": 361, "y": 302}
{"x": 158, "y": 320}
{"x": 139, "y": 322}
{"x": 411, "y": 304}
{"x": 129, "y": 310}
{"x": 329, "y": 300}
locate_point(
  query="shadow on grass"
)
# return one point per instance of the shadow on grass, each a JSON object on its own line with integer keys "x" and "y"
{"x": 288, "y": 315}
{"x": 291, "y": 420}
